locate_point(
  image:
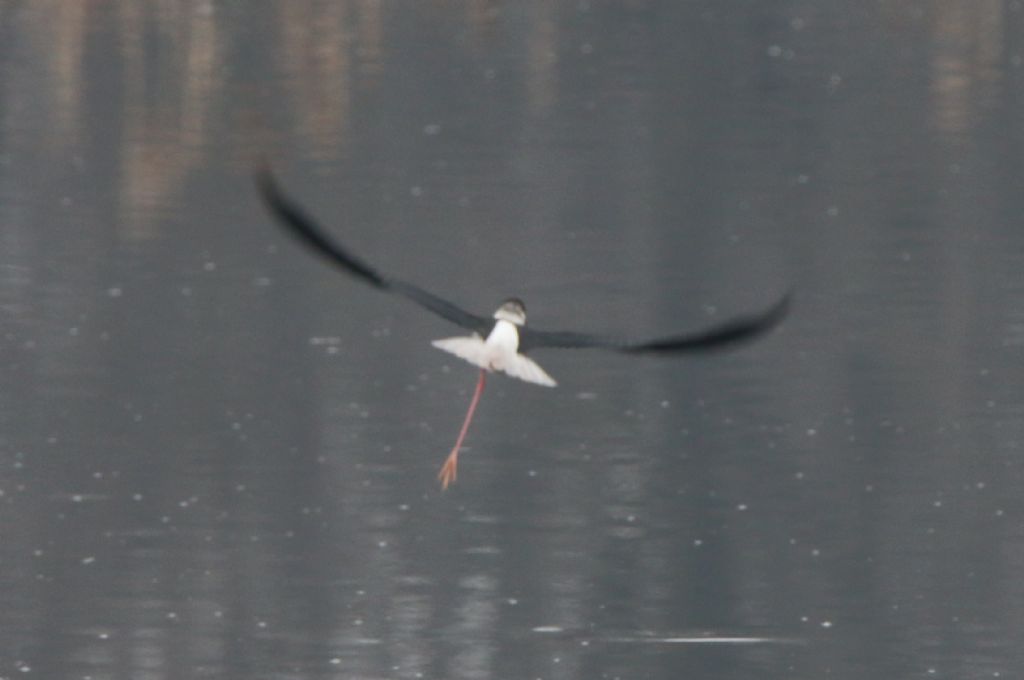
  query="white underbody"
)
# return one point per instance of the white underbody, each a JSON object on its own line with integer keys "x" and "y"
{"x": 499, "y": 352}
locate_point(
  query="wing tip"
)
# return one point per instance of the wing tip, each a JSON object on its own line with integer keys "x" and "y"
{"x": 266, "y": 183}
{"x": 779, "y": 311}
{"x": 768, "y": 320}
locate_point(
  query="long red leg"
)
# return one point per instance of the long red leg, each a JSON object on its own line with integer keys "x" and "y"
{"x": 448, "y": 470}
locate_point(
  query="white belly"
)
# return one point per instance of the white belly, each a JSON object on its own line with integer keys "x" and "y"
{"x": 503, "y": 340}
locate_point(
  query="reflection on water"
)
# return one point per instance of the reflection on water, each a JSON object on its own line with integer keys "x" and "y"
{"x": 967, "y": 63}
{"x": 217, "y": 456}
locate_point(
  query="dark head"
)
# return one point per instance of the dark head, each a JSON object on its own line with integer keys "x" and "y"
{"x": 512, "y": 310}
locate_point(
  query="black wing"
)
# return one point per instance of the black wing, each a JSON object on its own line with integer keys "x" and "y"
{"x": 740, "y": 329}
{"x": 302, "y": 226}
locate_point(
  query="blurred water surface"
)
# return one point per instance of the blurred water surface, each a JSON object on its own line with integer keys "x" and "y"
{"x": 218, "y": 456}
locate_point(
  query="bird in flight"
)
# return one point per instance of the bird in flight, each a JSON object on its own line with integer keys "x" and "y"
{"x": 501, "y": 342}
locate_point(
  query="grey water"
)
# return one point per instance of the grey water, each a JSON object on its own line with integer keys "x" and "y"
{"x": 218, "y": 455}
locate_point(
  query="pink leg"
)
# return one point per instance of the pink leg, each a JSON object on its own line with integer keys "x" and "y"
{"x": 448, "y": 470}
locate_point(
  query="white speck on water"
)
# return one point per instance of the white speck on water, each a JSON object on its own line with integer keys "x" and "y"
{"x": 209, "y": 266}
{"x": 335, "y": 661}
{"x": 697, "y": 542}
{"x": 586, "y": 396}
{"x": 114, "y": 292}
{"x": 811, "y": 432}
{"x": 774, "y": 51}
{"x": 88, "y": 560}
{"x": 432, "y": 129}
{"x": 742, "y": 507}
{"x": 325, "y": 340}
{"x": 512, "y": 602}
{"x": 665, "y": 403}
{"x": 826, "y": 624}
{"x": 547, "y": 629}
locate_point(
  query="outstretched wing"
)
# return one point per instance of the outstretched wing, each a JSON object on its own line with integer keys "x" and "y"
{"x": 720, "y": 336}
{"x": 303, "y": 227}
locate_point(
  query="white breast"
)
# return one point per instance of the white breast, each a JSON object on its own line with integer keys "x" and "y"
{"x": 504, "y": 336}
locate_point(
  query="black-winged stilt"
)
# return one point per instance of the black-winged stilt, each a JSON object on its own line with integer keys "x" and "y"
{"x": 500, "y": 343}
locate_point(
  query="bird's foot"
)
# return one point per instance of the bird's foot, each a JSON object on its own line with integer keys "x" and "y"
{"x": 449, "y": 471}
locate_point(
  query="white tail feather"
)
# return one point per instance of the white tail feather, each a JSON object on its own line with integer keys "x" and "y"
{"x": 493, "y": 357}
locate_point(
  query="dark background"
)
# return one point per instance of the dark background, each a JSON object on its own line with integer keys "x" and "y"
{"x": 218, "y": 456}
